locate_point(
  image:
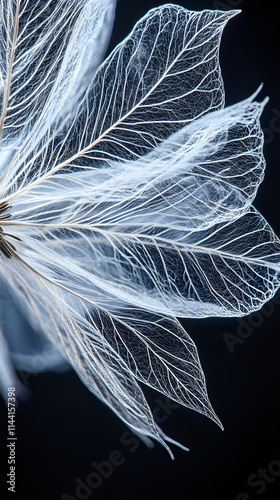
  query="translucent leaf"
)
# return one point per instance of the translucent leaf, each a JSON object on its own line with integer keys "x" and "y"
{"x": 207, "y": 172}
{"x": 231, "y": 269}
{"x": 67, "y": 320}
{"x": 124, "y": 116}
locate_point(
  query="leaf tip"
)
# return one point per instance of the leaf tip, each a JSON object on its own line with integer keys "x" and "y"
{"x": 255, "y": 94}
{"x": 218, "y": 422}
{"x": 235, "y": 12}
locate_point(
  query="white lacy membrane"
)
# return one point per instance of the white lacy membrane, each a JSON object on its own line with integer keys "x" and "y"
{"x": 133, "y": 206}
{"x": 58, "y": 46}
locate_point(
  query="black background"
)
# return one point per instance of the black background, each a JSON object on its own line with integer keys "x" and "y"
{"x": 62, "y": 428}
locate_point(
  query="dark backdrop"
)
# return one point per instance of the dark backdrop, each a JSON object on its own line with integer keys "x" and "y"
{"x": 62, "y": 429}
